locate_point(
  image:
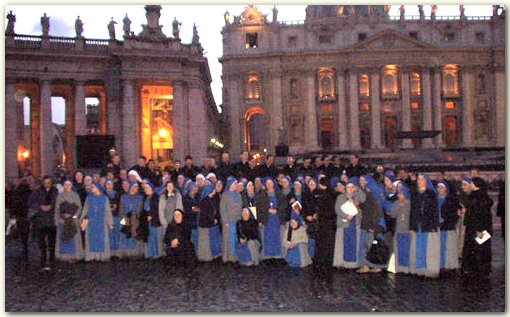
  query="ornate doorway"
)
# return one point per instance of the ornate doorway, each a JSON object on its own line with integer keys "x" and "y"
{"x": 390, "y": 132}
{"x": 256, "y": 130}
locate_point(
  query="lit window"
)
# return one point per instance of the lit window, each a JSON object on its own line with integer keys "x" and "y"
{"x": 450, "y": 79}
{"x": 415, "y": 105}
{"x": 253, "y": 87}
{"x": 326, "y": 84}
{"x": 415, "y": 84}
{"x": 389, "y": 80}
{"x": 364, "y": 86}
{"x": 364, "y": 106}
{"x": 450, "y": 105}
{"x": 251, "y": 40}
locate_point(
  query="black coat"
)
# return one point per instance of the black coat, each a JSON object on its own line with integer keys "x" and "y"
{"x": 142, "y": 171}
{"x": 267, "y": 171}
{"x": 356, "y": 171}
{"x": 326, "y": 227}
{"x": 17, "y": 200}
{"x": 310, "y": 171}
{"x": 241, "y": 170}
{"x": 223, "y": 171}
{"x": 291, "y": 171}
{"x": 372, "y": 212}
{"x": 154, "y": 211}
{"x": 209, "y": 211}
{"x": 181, "y": 232}
{"x": 449, "y": 212}
{"x": 262, "y": 204}
{"x": 424, "y": 211}
{"x": 248, "y": 230}
{"x": 188, "y": 203}
{"x": 190, "y": 172}
{"x": 43, "y": 219}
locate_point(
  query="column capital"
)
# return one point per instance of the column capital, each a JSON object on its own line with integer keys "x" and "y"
{"x": 310, "y": 72}
{"x": 79, "y": 82}
{"x": 45, "y": 81}
{"x": 193, "y": 83}
{"x": 352, "y": 69}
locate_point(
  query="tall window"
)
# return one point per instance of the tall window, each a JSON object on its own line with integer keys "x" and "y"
{"x": 253, "y": 87}
{"x": 451, "y": 79}
{"x": 251, "y": 40}
{"x": 481, "y": 84}
{"x": 415, "y": 84}
{"x": 294, "y": 89}
{"x": 364, "y": 85}
{"x": 326, "y": 84}
{"x": 390, "y": 83}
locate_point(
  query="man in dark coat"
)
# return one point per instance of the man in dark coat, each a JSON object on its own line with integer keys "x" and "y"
{"x": 141, "y": 167}
{"x": 42, "y": 211}
{"x": 225, "y": 168}
{"x": 189, "y": 170}
{"x": 355, "y": 169}
{"x": 17, "y": 202}
{"x": 326, "y": 226}
{"x": 290, "y": 169}
{"x": 306, "y": 168}
{"x": 268, "y": 169}
{"x": 242, "y": 168}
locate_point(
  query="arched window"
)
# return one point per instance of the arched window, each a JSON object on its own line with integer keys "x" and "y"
{"x": 389, "y": 80}
{"x": 481, "y": 84}
{"x": 254, "y": 87}
{"x": 364, "y": 85}
{"x": 294, "y": 89}
{"x": 415, "y": 84}
{"x": 450, "y": 80}
{"x": 326, "y": 84}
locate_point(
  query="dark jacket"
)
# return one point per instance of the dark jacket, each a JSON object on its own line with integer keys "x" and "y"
{"x": 357, "y": 170}
{"x": 291, "y": 171}
{"x": 43, "y": 219}
{"x": 248, "y": 230}
{"x": 478, "y": 215}
{"x": 307, "y": 170}
{"x": 17, "y": 201}
{"x": 188, "y": 203}
{"x": 325, "y": 200}
{"x": 263, "y": 207}
{"x": 372, "y": 212}
{"x": 190, "y": 172}
{"x": 209, "y": 211}
{"x": 241, "y": 170}
{"x": 267, "y": 171}
{"x": 154, "y": 211}
{"x": 449, "y": 212}
{"x": 142, "y": 171}
{"x": 424, "y": 211}
{"x": 223, "y": 171}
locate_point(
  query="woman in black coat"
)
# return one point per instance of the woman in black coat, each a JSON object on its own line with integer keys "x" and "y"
{"x": 477, "y": 258}
{"x": 326, "y": 225}
{"x": 177, "y": 240}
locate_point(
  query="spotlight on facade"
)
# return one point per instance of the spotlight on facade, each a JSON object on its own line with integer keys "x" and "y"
{"x": 163, "y": 133}
{"x": 25, "y": 154}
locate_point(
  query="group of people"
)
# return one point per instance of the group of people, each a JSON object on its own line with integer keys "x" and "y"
{"x": 320, "y": 213}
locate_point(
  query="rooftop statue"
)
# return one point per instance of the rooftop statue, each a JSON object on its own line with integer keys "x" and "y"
{"x": 176, "y": 28}
{"x": 111, "y": 29}
{"x": 78, "y": 27}
{"x": 11, "y": 19}
{"x": 127, "y": 26}
{"x": 45, "y": 25}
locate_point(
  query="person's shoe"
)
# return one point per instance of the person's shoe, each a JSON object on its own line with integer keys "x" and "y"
{"x": 376, "y": 270}
{"x": 364, "y": 269}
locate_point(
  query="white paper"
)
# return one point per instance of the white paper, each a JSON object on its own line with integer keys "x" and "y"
{"x": 123, "y": 221}
{"x": 297, "y": 206}
{"x": 391, "y": 264}
{"x": 486, "y": 236}
{"x": 349, "y": 208}
{"x": 253, "y": 211}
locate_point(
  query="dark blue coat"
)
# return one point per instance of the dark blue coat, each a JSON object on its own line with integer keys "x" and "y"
{"x": 424, "y": 211}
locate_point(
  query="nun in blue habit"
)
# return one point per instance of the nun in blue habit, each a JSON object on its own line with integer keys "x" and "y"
{"x": 248, "y": 240}
{"x": 402, "y": 243}
{"x": 130, "y": 207}
{"x": 448, "y": 205}
{"x": 348, "y": 232}
{"x": 230, "y": 211}
{"x": 114, "y": 199}
{"x": 424, "y": 227}
{"x": 209, "y": 236}
{"x": 155, "y": 247}
{"x": 99, "y": 222}
{"x": 295, "y": 244}
{"x": 273, "y": 221}
{"x": 191, "y": 202}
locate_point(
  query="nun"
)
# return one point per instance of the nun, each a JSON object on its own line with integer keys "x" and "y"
{"x": 424, "y": 228}
{"x": 191, "y": 202}
{"x": 248, "y": 241}
{"x": 97, "y": 222}
{"x": 67, "y": 212}
{"x": 295, "y": 244}
{"x": 130, "y": 207}
{"x": 230, "y": 210}
{"x": 273, "y": 221}
{"x": 477, "y": 257}
{"x": 465, "y": 191}
{"x": 325, "y": 238}
{"x": 348, "y": 222}
{"x": 402, "y": 243}
{"x": 448, "y": 206}
{"x": 309, "y": 212}
{"x": 209, "y": 237}
{"x": 177, "y": 240}
{"x": 114, "y": 199}
{"x": 155, "y": 247}
{"x": 169, "y": 200}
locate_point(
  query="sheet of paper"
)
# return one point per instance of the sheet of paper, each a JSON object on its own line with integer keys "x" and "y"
{"x": 486, "y": 236}
{"x": 253, "y": 211}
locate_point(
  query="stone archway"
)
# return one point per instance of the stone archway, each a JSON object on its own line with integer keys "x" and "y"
{"x": 256, "y": 129}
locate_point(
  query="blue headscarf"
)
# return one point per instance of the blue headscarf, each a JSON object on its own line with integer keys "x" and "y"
{"x": 148, "y": 182}
{"x": 445, "y": 184}
{"x": 291, "y": 184}
{"x": 467, "y": 180}
{"x": 353, "y": 180}
{"x": 96, "y": 184}
{"x": 192, "y": 185}
{"x": 334, "y": 181}
{"x": 429, "y": 182}
{"x": 230, "y": 180}
{"x": 208, "y": 189}
{"x": 390, "y": 174}
{"x": 406, "y": 192}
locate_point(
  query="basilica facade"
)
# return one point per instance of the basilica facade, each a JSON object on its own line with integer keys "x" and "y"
{"x": 153, "y": 94}
{"x": 352, "y": 78}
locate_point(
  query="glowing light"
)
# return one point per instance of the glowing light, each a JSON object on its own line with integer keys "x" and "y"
{"x": 25, "y": 154}
{"x": 163, "y": 133}
{"x": 213, "y": 140}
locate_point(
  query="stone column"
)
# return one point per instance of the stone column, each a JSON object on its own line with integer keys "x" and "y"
{"x": 129, "y": 149}
{"x": 235, "y": 118}
{"x": 311, "y": 133}
{"x": 103, "y": 123}
{"x": 276, "y": 115}
{"x": 11, "y": 131}
{"x": 342, "y": 111}
{"x": 406, "y": 108}
{"x": 467, "y": 108}
{"x": 427, "y": 106}
{"x": 500, "y": 103}
{"x": 198, "y": 134}
{"x": 375, "y": 109}
{"x": 46, "y": 129}
{"x": 79, "y": 108}
{"x": 70, "y": 134}
{"x": 354, "y": 110}
{"x": 438, "y": 107}
{"x": 180, "y": 120}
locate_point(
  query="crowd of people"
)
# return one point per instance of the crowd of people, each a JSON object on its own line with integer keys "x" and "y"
{"x": 319, "y": 213}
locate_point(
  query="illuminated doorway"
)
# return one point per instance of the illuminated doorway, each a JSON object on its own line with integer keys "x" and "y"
{"x": 256, "y": 130}
{"x": 157, "y": 124}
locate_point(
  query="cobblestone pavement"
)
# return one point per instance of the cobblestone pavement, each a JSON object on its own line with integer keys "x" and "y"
{"x": 214, "y": 287}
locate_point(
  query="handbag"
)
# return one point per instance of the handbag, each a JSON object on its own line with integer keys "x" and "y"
{"x": 379, "y": 252}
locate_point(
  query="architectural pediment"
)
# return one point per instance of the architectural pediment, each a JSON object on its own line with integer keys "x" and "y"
{"x": 252, "y": 16}
{"x": 390, "y": 39}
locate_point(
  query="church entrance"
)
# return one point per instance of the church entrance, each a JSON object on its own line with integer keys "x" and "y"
{"x": 256, "y": 130}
